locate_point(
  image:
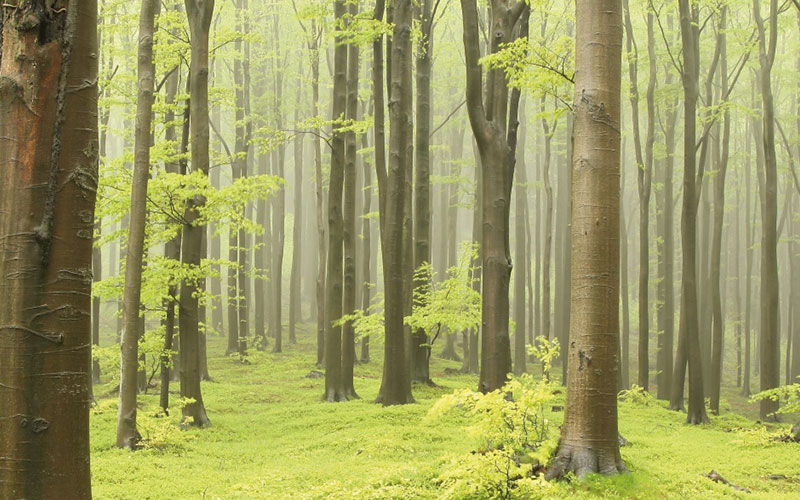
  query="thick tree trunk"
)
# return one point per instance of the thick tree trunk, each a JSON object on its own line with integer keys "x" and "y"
{"x": 127, "y": 434}
{"x": 589, "y": 438}
{"x": 48, "y": 162}
{"x": 396, "y": 382}
{"x": 199, "y": 13}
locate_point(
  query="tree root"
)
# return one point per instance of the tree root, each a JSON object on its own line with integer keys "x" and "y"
{"x": 717, "y": 478}
{"x": 582, "y": 461}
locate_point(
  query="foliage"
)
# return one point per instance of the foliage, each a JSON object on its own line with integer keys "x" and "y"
{"x": 638, "y": 396}
{"x": 452, "y": 305}
{"x": 517, "y": 438}
{"x": 789, "y": 394}
{"x": 545, "y": 351}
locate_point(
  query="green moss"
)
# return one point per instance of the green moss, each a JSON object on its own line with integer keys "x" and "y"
{"x": 273, "y": 437}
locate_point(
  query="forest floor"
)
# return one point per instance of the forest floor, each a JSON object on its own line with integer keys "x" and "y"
{"x": 273, "y": 437}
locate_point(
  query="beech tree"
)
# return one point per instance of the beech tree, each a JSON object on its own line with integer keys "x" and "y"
{"x": 494, "y": 125}
{"x": 127, "y": 433}
{"x": 589, "y": 438}
{"x": 199, "y": 13}
{"x": 48, "y": 162}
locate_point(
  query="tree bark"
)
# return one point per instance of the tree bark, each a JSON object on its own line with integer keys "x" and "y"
{"x": 349, "y": 226}
{"x": 199, "y": 13}
{"x": 589, "y": 438}
{"x": 770, "y": 311}
{"x": 494, "y": 125}
{"x": 334, "y": 273}
{"x": 48, "y": 160}
{"x": 127, "y": 434}
{"x": 396, "y": 382}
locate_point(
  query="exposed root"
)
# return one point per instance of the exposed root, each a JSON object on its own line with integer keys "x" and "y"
{"x": 583, "y": 461}
{"x": 717, "y": 478}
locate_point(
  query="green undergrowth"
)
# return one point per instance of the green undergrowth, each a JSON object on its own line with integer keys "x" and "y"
{"x": 273, "y": 437}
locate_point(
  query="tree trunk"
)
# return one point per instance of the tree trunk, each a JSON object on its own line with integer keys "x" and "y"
{"x": 521, "y": 254}
{"x": 770, "y": 312}
{"x": 334, "y": 273}
{"x": 349, "y": 226}
{"x": 718, "y": 320}
{"x": 689, "y": 343}
{"x": 589, "y": 439}
{"x": 199, "y": 13}
{"x": 127, "y": 434}
{"x": 279, "y": 209}
{"x": 396, "y": 382}
{"x": 297, "y": 229}
{"x": 420, "y": 352}
{"x": 48, "y": 159}
{"x": 494, "y": 125}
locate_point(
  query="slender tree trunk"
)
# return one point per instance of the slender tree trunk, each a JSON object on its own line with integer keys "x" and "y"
{"x": 297, "y": 229}
{"x": 625, "y": 380}
{"x": 349, "y": 226}
{"x": 718, "y": 320}
{"x": 770, "y": 311}
{"x": 199, "y": 13}
{"x": 420, "y": 352}
{"x": 279, "y": 208}
{"x": 127, "y": 434}
{"x": 48, "y": 160}
{"x": 334, "y": 274}
{"x": 589, "y": 439}
{"x": 689, "y": 343}
{"x": 522, "y": 257}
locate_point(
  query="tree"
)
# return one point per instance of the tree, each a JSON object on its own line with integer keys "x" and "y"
{"x": 422, "y": 183}
{"x": 396, "y": 381}
{"x": 770, "y": 313}
{"x": 334, "y": 272}
{"x": 127, "y": 433}
{"x": 199, "y": 13}
{"x": 689, "y": 341}
{"x": 589, "y": 438}
{"x": 494, "y": 125}
{"x": 48, "y": 159}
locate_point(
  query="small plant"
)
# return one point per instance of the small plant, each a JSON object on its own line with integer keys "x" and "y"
{"x": 516, "y": 437}
{"x": 545, "y": 351}
{"x": 636, "y": 395}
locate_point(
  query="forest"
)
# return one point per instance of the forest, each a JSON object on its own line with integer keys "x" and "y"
{"x": 396, "y": 249}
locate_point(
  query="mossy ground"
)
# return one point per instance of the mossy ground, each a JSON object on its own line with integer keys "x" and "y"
{"x": 273, "y": 437}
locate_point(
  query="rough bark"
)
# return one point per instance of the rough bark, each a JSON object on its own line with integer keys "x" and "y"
{"x": 589, "y": 438}
{"x": 48, "y": 160}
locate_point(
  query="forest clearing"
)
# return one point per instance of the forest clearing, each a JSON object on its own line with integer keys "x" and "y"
{"x": 451, "y": 249}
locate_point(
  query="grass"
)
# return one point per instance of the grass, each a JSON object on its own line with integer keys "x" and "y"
{"x": 273, "y": 437}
